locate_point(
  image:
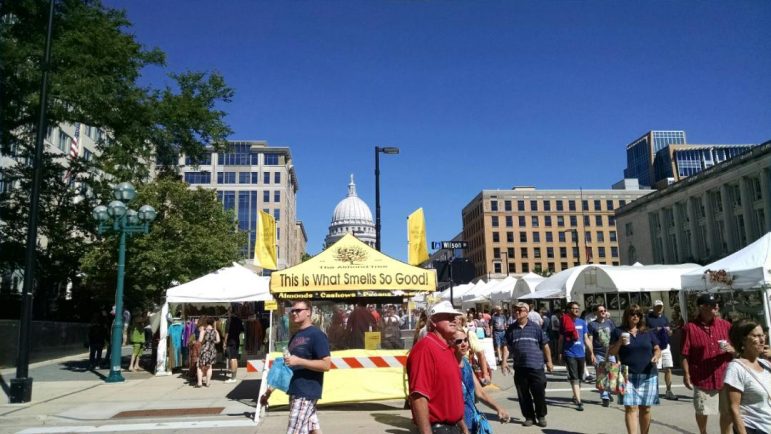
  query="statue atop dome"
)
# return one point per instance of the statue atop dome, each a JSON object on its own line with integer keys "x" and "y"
{"x": 351, "y": 216}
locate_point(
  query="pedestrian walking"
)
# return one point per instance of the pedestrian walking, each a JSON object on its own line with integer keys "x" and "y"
{"x": 232, "y": 344}
{"x": 435, "y": 391}
{"x": 97, "y": 335}
{"x": 748, "y": 380}
{"x": 309, "y": 359}
{"x": 659, "y": 324}
{"x": 573, "y": 344}
{"x": 706, "y": 353}
{"x": 209, "y": 337}
{"x": 136, "y": 335}
{"x": 529, "y": 347}
{"x": 637, "y": 347}
{"x": 473, "y": 390}
{"x": 499, "y": 330}
{"x": 599, "y": 334}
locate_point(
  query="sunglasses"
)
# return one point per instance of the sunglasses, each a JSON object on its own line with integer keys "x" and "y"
{"x": 637, "y": 314}
{"x": 460, "y": 341}
{"x": 296, "y": 311}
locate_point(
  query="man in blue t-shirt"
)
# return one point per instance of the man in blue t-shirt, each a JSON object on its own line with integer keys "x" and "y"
{"x": 659, "y": 324}
{"x": 309, "y": 358}
{"x": 572, "y": 347}
{"x": 600, "y": 331}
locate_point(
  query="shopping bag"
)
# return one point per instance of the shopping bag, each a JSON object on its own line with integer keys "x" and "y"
{"x": 279, "y": 375}
{"x": 619, "y": 388}
{"x": 610, "y": 378}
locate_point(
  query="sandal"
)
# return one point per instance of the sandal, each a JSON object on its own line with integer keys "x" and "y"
{"x": 197, "y": 386}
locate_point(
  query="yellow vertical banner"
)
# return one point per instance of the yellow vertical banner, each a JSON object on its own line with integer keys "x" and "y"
{"x": 265, "y": 242}
{"x": 417, "y": 248}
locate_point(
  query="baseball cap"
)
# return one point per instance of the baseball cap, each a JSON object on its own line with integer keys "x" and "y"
{"x": 707, "y": 299}
{"x": 522, "y": 305}
{"x": 658, "y": 303}
{"x": 443, "y": 307}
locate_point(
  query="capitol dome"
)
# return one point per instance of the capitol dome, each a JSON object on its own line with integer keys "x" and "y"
{"x": 351, "y": 216}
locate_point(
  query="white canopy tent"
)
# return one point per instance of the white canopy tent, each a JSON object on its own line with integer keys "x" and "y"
{"x": 558, "y": 285}
{"x": 457, "y": 293}
{"x": 480, "y": 293}
{"x": 629, "y": 278}
{"x": 226, "y": 285}
{"x": 746, "y": 270}
{"x": 504, "y": 291}
{"x": 526, "y": 285}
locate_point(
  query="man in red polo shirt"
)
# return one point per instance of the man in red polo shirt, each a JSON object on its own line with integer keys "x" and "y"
{"x": 706, "y": 353}
{"x": 436, "y": 396}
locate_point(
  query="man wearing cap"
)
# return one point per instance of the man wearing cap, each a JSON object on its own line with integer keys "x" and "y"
{"x": 659, "y": 324}
{"x": 498, "y": 324}
{"x": 436, "y": 396}
{"x": 529, "y": 347}
{"x": 705, "y": 361}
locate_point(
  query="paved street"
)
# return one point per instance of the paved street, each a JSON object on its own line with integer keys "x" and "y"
{"x": 67, "y": 398}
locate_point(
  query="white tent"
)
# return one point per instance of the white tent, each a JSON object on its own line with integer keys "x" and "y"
{"x": 748, "y": 268}
{"x": 481, "y": 292}
{"x": 226, "y": 285}
{"x": 558, "y": 285}
{"x": 629, "y": 278}
{"x": 504, "y": 291}
{"x": 457, "y": 292}
{"x": 526, "y": 285}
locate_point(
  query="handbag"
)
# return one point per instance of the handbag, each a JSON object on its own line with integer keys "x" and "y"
{"x": 611, "y": 377}
{"x": 279, "y": 375}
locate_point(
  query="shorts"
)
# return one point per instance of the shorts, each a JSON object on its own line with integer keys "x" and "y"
{"x": 575, "y": 367}
{"x": 641, "y": 389}
{"x": 137, "y": 349}
{"x": 499, "y": 338}
{"x": 232, "y": 350}
{"x": 710, "y": 402}
{"x": 666, "y": 359}
{"x": 302, "y": 416}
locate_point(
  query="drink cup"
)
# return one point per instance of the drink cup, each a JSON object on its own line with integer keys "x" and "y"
{"x": 625, "y": 338}
{"x": 723, "y": 344}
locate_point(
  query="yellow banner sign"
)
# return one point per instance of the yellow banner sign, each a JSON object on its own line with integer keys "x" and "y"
{"x": 271, "y": 305}
{"x": 350, "y": 265}
{"x": 371, "y": 340}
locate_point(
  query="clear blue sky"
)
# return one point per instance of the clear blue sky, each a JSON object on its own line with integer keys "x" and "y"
{"x": 477, "y": 95}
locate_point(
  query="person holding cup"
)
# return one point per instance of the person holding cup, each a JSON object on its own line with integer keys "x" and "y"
{"x": 637, "y": 347}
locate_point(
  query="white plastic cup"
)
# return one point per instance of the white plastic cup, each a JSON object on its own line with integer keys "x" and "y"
{"x": 625, "y": 338}
{"x": 723, "y": 344}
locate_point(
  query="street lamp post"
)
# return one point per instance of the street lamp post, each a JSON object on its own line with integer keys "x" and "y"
{"x": 386, "y": 150}
{"x": 124, "y": 221}
{"x": 574, "y": 233}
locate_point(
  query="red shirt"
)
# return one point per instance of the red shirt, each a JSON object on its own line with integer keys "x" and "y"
{"x": 434, "y": 373}
{"x": 706, "y": 361}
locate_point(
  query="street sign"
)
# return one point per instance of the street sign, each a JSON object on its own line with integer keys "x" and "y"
{"x": 450, "y": 245}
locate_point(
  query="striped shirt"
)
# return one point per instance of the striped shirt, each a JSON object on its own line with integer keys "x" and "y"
{"x": 525, "y": 344}
{"x": 706, "y": 361}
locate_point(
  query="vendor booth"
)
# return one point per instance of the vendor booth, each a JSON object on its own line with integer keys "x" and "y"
{"x": 502, "y": 294}
{"x": 235, "y": 284}
{"x": 742, "y": 279}
{"x": 554, "y": 291}
{"x": 526, "y": 285}
{"x": 340, "y": 281}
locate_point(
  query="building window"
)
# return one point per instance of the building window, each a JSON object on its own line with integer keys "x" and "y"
{"x": 611, "y": 220}
{"x": 559, "y": 205}
{"x": 573, "y": 221}
{"x": 575, "y": 252}
{"x": 571, "y": 205}
{"x": 237, "y": 155}
{"x": 585, "y": 205}
{"x": 609, "y": 205}
{"x": 561, "y": 236}
{"x": 496, "y": 237}
{"x": 266, "y": 196}
{"x": 560, "y": 220}
{"x": 549, "y": 237}
{"x": 226, "y": 177}
{"x": 523, "y": 252}
{"x": 493, "y": 205}
{"x": 496, "y": 267}
{"x": 204, "y": 159}
{"x": 494, "y": 221}
{"x": 613, "y": 236}
{"x": 563, "y": 252}
{"x": 525, "y": 267}
{"x": 271, "y": 159}
{"x": 198, "y": 177}
{"x": 597, "y": 205}
{"x": 534, "y": 221}
{"x": 521, "y": 221}
{"x": 510, "y": 253}
{"x": 244, "y": 177}
{"x": 547, "y": 220}
{"x": 586, "y": 220}
{"x": 255, "y": 177}
{"x": 87, "y": 155}
{"x": 266, "y": 178}
{"x": 523, "y": 237}
{"x": 601, "y": 252}
{"x": 277, "y": 214}
{"x": 600, "y": 236}
{"x": 64, "y": 141}
{"x": 277, "y": 177}
{"x": 537, "y": 252}
{"x": 520, "y": 205}
{"x": 509, "y": 237}
{"x": 507, "y": 205}
{"x": 588, "y": 236}
{"x": 550, "y": 252}
{"x": 277, "y": 196}
{"x": 533, "y": 205}
{"x": 598, "y": 220}
{"x": 614, "y": 252}
{"x": 622, "y": 202}
{"x": 563, "y": 266}
{"x": 509, "y": 221}
{"x": 536, "y": 237}
{"x": 547, "y": 205}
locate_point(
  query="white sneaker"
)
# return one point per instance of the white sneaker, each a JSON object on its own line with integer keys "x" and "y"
{"x": 231, "y": 380}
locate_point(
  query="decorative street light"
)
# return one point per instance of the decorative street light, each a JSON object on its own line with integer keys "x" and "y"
{"x": 124, "y": 221}
{"x": 574, "y": 233}
{"x": 386, "y": 150}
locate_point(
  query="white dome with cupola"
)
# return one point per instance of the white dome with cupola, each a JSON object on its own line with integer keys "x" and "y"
{"x": 351, "y": 216}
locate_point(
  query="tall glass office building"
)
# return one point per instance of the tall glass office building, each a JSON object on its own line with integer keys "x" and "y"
{"x": 251, "y": 177}
{"x": 674, "y": 163}
{"x": 641, "y": 152}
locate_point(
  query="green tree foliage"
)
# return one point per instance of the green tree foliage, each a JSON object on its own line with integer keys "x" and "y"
{"x": 93, "y": 79}
{"x": 192, "y": 236}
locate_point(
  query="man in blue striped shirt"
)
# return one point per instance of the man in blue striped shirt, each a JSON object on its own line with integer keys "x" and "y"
{"x": 529, "y": 347}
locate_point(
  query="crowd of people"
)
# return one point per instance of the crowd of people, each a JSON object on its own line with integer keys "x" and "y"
{"x": 725, "y": 365}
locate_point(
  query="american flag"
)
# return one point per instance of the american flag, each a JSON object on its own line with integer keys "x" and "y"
{"x": 74, "y": 144}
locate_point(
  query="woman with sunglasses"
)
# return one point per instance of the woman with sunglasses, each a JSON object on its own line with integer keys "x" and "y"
{"x": 472, "y": 388}
{"x": 749, "y": 380}
{"x": 637, "y": 347}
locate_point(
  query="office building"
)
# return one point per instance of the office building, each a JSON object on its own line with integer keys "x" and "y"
{"x": 641, "y": 153}
{"x": 702, "y": 218}
{"x": 544, "y": 231}
{"x": 249, "y": 177}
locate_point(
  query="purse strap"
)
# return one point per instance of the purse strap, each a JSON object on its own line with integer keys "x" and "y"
{"x": 755, "y": 376}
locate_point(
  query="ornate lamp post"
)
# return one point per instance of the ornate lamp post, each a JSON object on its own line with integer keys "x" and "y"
{"x": 124, "y": 221}
{"x": 386, "y": 150}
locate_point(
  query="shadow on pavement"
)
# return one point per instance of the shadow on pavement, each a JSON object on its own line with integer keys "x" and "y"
{"x": 401, "y": 424}
{"x": 246, "y": 390}
{"x": 81, "y": 366}
{"x": 6, "y": 388}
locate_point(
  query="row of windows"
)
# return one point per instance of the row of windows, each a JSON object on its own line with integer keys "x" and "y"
{"x": 228, "y": 200}
{"x": 546, "y": 205}
{"x": 204, "y": 177}
{"x": 549, "y": 236}
{"x": 239, "y": 154}
{"x": 548, "y": 221}
{"x": 538, "y": 267}
{"x": 524, "y": 252}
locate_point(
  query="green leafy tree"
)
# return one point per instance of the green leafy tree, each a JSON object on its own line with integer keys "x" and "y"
{"x": 93, "y": 79}
{"x": 192, "y": 236}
